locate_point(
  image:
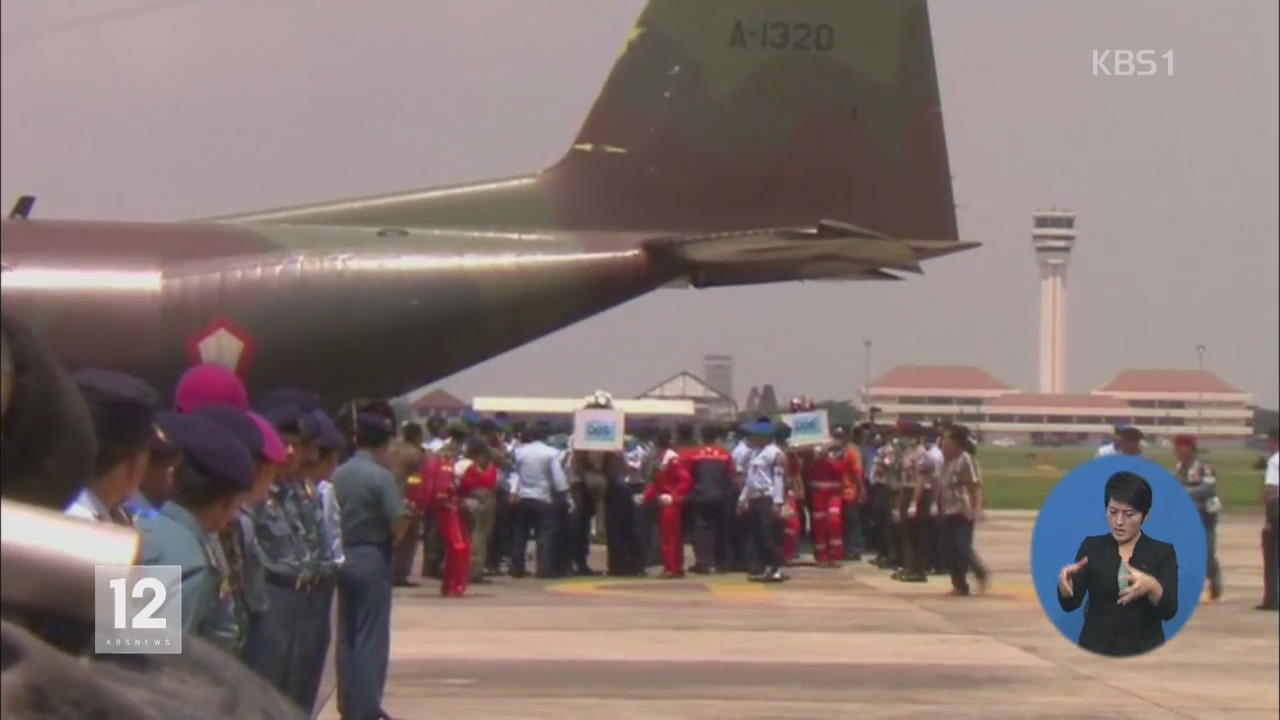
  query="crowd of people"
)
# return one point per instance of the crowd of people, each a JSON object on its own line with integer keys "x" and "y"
{"x": 269, "y": 509}
{"x": 743, "y": 497}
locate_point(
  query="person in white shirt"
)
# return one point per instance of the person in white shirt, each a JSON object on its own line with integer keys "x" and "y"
{"x": 123, "y": 411}
{"x": 1271, "y": 527}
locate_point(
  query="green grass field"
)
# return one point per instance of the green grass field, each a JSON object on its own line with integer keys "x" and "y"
{"x": 1021, "y": 478}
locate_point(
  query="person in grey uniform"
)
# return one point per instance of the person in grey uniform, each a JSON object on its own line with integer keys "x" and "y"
{"x": 215, "y": 472}
{"x": 227, "y": 624}
{"x": 373, "y": 519}
{"x": 285, "y": 559}
{"x": 314, "y": 632}
{"x": 1201, "y": 482}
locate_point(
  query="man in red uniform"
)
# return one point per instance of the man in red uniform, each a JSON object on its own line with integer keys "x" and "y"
{"x": 453, "y": 482}
{"x": 824, "y": 472}
{"x": 853, "y": 492}
{"x": 713, "y": 488}
{"x": 670, "y": 486}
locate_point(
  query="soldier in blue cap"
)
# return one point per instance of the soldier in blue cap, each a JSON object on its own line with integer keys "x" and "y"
{"x": 227, "y": 623}
{"x": 762, "y": 498}
{"x": 157, "y": 483}
{"x": 373, "y": 519}
{"x": 123, "y": 410}
{"x": 215, "y": 472}
{"x": 285, "y": 557}
{"x": 314, "y": 633}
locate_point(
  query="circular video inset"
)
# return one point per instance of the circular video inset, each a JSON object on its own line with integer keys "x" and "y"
{"x": 1118, "y": 556}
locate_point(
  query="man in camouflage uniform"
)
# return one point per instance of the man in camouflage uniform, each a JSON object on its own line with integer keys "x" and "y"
{"x": 488, "y": 534}
{"x": 1198, "y": 478}
{"x": 407, "y": 456}
{"x": 910, "y": 452}
{"x": 888, "y": 474}
{"x": 286, "y": 559}
{"x": 314, "y": 632}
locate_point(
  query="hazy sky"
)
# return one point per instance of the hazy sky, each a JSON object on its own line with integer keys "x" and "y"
{"x": 170, "y": 110}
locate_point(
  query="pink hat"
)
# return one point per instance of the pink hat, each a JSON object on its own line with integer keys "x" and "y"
{"x": 273, "y": 448}
{"x": 210, "y": 384}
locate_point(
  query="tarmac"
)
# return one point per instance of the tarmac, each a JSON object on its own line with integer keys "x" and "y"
{"x": 847, "y": 642}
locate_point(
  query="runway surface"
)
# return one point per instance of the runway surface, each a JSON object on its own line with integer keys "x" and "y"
{"x": 848, "y": 642}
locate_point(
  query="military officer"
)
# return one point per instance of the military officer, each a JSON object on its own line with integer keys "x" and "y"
{"x": 157, "y": 484}
{"x": 123, "y": 408}
{"x": 1198, "y": 478}
{"x": 255, "y": 592}
{"x": 373, "y": 518}
{"x": 407, "y": 456}
{"x": 285, "y": 558}
{"x": 214, "y": 474}
{"x": 488, "y": 551}
{"x": 762, "y": 498}
{"x": 884, "y": 471}
{"x": 314, "y": 632}
{"x": 227, "y": 624}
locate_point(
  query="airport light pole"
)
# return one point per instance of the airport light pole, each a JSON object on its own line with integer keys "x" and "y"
{"x": 866, "y": 375}
{"x": 1200, "y": 403}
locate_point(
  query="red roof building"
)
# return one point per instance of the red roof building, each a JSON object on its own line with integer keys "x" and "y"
{"x": 438, "y": 402}
{"x": 1162, "y": 403}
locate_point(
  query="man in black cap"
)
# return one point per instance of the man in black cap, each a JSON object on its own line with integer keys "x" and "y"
{"x": 373, "y": 519}
{"x": 123, "y": 410}
{"x": 215, "y": 472}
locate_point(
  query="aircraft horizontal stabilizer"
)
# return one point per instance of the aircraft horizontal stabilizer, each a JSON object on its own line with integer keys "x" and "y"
{"x": 828, "y": 251}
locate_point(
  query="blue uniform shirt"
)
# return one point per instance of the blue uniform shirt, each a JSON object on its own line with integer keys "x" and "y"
{"x": 538, "y": 472}
{"x": 766, "y": 475}
{"x": 283, "y": 549}
{"x": 175, "y": 537}
{"x": 371, "y": 501}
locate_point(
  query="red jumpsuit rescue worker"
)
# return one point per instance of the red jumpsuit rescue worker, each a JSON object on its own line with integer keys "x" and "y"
{"x": 825, "y": 473}
{"x": 453, "y": 484}
{"x": 670, "y": 486}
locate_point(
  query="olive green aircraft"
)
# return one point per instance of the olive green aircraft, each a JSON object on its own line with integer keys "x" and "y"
{"x": 734, "y": 142}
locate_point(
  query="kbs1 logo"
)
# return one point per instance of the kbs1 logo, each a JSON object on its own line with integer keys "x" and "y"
{"x": 1130, "y": 63}
{"x": 137, "y": 609}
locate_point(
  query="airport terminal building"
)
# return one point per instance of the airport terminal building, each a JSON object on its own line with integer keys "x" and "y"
{"x": 1163, "y": 403}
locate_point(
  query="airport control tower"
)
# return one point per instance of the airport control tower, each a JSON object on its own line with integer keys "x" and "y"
{"x": 1053, "y": 236}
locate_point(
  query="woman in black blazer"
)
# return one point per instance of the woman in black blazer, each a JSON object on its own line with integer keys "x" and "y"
{"x": 1131, "y": 579}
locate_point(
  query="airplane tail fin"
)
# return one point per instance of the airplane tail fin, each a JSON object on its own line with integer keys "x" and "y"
{"x": 759, "y": 113}
{"x": 723, "y": 116}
